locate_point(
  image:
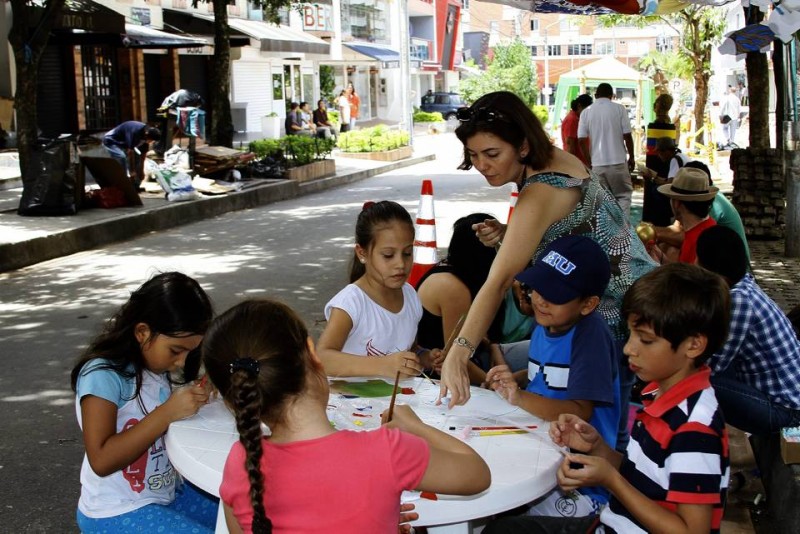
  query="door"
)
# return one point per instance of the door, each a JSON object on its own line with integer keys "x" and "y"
{"x": 100, "y": 88}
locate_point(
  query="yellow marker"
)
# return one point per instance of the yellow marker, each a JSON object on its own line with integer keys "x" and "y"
{"x": 500, "y": 432}
{"x": 358, "y": 423}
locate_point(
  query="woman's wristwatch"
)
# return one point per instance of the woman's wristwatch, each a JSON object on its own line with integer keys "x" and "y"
{"x": 464, "y": 342}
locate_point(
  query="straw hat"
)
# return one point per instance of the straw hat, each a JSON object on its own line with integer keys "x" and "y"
{"x": 689, "y": 185}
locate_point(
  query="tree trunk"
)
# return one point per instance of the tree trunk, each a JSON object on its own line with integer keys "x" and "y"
{"x": 757, "y": 78}
{"x": 778, "y": 66}
{"x": 221, "y": 128}
{"x": 28, "y": 46}
{"x": 700, "y": 101}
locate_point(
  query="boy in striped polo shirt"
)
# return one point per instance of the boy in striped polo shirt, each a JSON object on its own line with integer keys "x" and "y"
{"x": 674, "y": 474}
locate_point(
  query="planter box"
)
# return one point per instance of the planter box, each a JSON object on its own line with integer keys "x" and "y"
{"x": 390, "y": 155}
{"x": 271, "y": 127}
{"x": 312, "y": 171}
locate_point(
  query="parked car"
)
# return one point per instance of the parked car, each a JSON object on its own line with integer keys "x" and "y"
{"x": 444, "y": 103}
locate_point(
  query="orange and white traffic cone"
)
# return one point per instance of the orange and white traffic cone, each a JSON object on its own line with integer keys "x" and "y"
{"x": 425, "y": 255}
{"x": 512, "y": 202}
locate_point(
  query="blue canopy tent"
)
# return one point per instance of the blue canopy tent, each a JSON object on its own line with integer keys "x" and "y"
{"x": 610, "y": 70}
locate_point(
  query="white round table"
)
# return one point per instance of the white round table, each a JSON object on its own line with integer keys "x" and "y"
{"x": 523, "y": 465}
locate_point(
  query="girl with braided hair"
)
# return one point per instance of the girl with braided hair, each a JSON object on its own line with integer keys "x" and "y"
{"x": 305, "y": 476}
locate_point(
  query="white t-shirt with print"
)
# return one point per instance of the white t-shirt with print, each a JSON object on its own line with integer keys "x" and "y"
{"x": 377, "y": 331}
{"x": 150, "y": 478}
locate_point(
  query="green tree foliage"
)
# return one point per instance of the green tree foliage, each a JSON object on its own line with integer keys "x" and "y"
{"x": 511, "y": 69}
{"x": 699, "y": 28}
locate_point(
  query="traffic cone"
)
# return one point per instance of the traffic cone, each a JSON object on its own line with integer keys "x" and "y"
{"x": 425, "y": 255}
{"x": 512, "y": 202}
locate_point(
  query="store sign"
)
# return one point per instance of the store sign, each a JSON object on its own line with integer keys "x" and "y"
{"x": 318, "y": 18}
{"x": 390, "y": 64}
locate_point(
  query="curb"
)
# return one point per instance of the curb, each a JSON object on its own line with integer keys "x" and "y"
{"x": 24, "y": 253}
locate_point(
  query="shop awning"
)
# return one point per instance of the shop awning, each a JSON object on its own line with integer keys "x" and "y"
{"x": 390, "y": 59}
{"x": 271, "y": 37}
{"x": 143, "y": 37}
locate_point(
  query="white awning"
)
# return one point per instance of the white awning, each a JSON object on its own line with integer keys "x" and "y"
{"x": 274, "y": 38}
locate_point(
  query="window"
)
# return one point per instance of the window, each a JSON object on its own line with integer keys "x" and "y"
{"x": 579, "y": 50}
{"x": 534, "y": 25}
{"x": 664, "y": 43}
{"x": 442, "y": 99}
{"x": 553, "y": 50}
{"x": 464, "y": 4}
{"x": 494, "y": 26}
{"x": 534, "y": 51}
{"x": 568, "y": 24}
{"x": 605, "y": 48}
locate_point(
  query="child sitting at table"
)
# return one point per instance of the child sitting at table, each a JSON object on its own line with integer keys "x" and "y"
{"x": 125, "y": 403}
{"x": 372, "y": 322}
{"x": 572, "y": 362}
{"x": 307, "y": 476}
{"x": 674, "y": 475}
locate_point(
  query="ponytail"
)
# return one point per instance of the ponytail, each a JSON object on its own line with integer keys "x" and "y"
{"x": 247, "y": 409}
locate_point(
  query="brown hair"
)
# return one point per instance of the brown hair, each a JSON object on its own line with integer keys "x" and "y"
{"x": 514, "y": 123}
{"x": 374, "y": 214}
{"x": 256, "y": 355}
{"x": 679, "y": 300}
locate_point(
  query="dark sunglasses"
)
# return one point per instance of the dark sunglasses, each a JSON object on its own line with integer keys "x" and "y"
{"x": 480, "y": 114}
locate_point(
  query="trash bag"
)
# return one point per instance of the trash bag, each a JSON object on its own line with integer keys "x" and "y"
{"x": 49, "y": 187}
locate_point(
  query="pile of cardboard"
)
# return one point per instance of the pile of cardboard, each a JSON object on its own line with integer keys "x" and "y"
{"x": 212, "y": 159}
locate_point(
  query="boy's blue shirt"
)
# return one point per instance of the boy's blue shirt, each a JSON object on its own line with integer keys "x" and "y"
{"x": 579, "y": 364}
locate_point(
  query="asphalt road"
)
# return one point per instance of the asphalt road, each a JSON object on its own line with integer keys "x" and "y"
{"x": 297, "y": 251}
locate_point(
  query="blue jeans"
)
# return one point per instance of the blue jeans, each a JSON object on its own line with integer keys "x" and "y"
{"x": 192, "y": 512}
{"x": 118, "y": 154}
{"x": 747, "y": 408}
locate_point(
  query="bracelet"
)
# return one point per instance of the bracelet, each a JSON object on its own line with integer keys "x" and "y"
{"x": 464, "y": 342}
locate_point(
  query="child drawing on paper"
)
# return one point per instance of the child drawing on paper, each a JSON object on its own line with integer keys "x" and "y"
{"x": 378, "y": 311}
{"x": 125, "y": 402}
{"x": 306, "y": 476}
{"x": 572, "y": 363}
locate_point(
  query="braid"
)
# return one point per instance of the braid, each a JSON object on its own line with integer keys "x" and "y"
{"x": 247, "y": 407}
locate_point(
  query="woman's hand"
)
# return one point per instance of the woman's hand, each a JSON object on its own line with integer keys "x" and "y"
{"x": 184, "y": 402}
{"x": 490, "y": 232}
{"x": 455, "y": 379}
{"x": 501, "y": 379}
{"x": 573, "y": 432}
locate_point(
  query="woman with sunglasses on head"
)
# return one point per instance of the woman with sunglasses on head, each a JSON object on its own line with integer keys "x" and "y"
{"x": 558, "y": 196}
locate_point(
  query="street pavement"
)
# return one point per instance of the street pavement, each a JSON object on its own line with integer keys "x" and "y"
{"x": 296, "y": 250}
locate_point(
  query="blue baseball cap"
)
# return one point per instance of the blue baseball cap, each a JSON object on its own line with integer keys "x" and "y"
{"x": 570, "y": 267}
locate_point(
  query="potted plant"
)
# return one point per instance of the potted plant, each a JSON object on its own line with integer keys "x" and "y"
{"x": 433, "y": 122}
{"x": 271, "y": 126}
{"x": 376, "y": 143}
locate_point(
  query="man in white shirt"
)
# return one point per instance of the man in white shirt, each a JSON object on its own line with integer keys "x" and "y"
{"x": 729, "y": 112}
{"x": 604, "y": 132}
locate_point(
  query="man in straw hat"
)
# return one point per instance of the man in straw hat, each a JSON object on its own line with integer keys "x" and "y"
{"x": 690, "y": 198}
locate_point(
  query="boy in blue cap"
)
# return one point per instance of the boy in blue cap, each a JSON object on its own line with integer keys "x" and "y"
{"x": 572, "y": 361}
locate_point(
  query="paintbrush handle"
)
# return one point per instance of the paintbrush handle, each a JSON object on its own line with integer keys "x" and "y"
{"x": 394, "y": 397}
{"x": 453, "y": 334}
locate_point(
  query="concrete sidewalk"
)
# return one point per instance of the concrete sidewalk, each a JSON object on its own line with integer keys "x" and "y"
{"x": 29, "y": 240}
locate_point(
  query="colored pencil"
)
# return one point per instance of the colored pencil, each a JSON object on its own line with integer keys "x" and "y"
{"x": 394, "y": 397}
{"x": 503, "y": 428}
{"x": 501, "y": 432}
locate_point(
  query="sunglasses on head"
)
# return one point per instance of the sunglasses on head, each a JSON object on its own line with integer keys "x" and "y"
{"x": 480, "y": 114}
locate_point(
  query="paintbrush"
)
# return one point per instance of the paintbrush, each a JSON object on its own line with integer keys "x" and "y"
{"x": 394, "y": 397}
{"x": 453, "y": 334}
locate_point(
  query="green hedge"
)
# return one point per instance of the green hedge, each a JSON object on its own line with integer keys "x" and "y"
{"x": 293, "y": 150}
{"x": 376, "y": 139}
{"x": 424, "y": 116}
